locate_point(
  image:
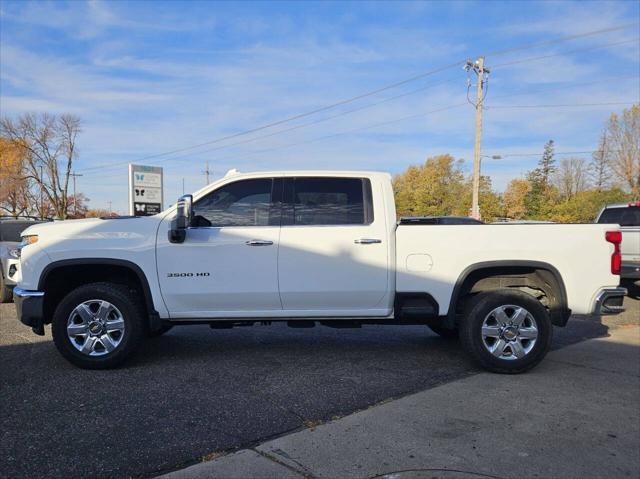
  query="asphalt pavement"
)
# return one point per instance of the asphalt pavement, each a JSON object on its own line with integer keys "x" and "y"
{"x": 195, "y": 391}
{"x": 575, "y": 416}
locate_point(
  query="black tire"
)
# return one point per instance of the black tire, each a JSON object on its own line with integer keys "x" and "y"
{"x": 446, "y": 333}
{"x": 119, "y": 296}
{"x": 471, "y": 336}
{"x": 6, "y": 293}
{"x": 166, "y": 326}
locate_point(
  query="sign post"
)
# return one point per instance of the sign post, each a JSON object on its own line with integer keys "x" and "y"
{"x": 146, "y": 195}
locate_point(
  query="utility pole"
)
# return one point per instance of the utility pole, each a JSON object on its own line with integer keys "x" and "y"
{"x": 207, "y": 172}
{"x": 75, "y": 198}
{"x": 109, "y": 209}
{"x": 482, "y": 74}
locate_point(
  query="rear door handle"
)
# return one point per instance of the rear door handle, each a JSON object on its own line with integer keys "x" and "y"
{"x": 256, "y": 242}
{"x": 367, "y": 241}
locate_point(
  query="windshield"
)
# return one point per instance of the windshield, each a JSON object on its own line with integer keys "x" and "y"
{"x": 628, "y": 216}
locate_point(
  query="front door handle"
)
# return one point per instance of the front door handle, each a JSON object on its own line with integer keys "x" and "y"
{"x": 367, "y": 241}
{"x": 256, "y": 242}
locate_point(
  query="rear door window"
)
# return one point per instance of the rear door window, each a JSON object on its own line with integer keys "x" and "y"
{"x": 328, "y": 201}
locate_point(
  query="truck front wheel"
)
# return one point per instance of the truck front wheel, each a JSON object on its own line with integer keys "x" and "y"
{"x": 98, "y": 325}
{"x": 506, "y": 331}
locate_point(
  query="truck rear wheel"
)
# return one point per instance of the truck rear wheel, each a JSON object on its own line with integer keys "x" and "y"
{"x": 98, "y": 325}
{"x": 506, "y": 331}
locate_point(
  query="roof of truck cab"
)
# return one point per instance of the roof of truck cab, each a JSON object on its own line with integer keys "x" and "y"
{"x": 231, "y": 174}
{"x": 308, "y": 173}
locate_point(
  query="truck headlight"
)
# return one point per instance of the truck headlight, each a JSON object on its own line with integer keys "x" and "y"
{"x": 29, "y": 239}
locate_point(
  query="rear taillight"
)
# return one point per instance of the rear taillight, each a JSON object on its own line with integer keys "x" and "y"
{"x": 615, "y": 237}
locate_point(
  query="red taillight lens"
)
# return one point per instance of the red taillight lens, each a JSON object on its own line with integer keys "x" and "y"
{"x": 615, "y": 237}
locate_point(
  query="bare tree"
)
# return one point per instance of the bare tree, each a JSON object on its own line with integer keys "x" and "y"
{"x": 571, "y": 177}
{"x": 49, "y": 143}
{"x": 623, "y": 132}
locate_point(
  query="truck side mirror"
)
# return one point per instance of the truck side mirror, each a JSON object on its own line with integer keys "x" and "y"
{"x": 179, "y": 225}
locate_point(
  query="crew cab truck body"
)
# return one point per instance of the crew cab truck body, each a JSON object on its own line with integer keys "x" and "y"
{"x": 307, "y": 248}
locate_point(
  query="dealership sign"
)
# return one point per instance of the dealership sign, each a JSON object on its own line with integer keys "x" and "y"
{"x": 145, "y": 190}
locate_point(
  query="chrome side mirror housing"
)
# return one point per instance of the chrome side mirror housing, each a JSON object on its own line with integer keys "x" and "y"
{"x": 184, "y": 214}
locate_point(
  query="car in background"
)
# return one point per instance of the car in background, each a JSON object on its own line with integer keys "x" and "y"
{"x": 10, "y": 231}
{"x": 627, "y": 215}
{"x": 440, "y": 220}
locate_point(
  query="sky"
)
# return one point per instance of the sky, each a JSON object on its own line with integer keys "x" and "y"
{"x": 148, "y": 78}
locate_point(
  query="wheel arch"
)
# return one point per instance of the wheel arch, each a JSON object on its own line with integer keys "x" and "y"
{"x": 508, "y": 273}
{"x": 82, "y": 270}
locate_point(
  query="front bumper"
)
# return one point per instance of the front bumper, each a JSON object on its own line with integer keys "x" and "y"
{"x": 610, "y": 301}
{"x": 29, "y": 308}
{"x": 630, "y": 270}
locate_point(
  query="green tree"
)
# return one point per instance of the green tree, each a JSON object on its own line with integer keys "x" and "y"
{"x": 514, "y": 198}
{"x": 434, "y": 188}
{"x": 543, "y": 195}
{"x": 491, "y": 206}
{"x": 584, "y": 206}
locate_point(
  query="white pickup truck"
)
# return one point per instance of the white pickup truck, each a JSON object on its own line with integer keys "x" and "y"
{"x": 306, "y": 248}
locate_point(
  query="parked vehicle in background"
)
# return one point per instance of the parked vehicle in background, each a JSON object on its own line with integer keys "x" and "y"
{"x": 10, "y": 230}
{"x": 440, "y": 220}
{"x": 311, "y": 248}
{"x": 627, "y": 215}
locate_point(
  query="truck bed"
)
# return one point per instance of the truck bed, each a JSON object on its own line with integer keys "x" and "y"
{"x": 434, "y": 258}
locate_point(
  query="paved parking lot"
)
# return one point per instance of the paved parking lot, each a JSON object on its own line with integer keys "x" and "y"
{"x": 196, "y": 391}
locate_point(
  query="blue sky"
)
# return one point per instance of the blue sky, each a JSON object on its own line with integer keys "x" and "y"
{"x": 151, "y": 77}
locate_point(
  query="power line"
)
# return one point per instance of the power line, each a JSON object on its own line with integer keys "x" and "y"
{"x": 372, "y": 92}
{"x": 583, "y": 152}
{"x": 568, "y": 52}
{"x": 565, "y": 85}
{"x": 568, "y": 85}
{"x": 268, "y": 150}
{"x": 292, "y": 118}
{"x": 321, "y": 120}
{"x": 304, "y": 125}
{"x": 501, "y": 155}
{"x": 558, "y": 105}
{"x": 333, "y": 135}
{"x": 397, "y": 120}
{"x": 564, "y": 39}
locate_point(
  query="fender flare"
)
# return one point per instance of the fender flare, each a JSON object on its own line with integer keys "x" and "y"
{"x": 154, "y": 317}
{"x": 559, "y": 317}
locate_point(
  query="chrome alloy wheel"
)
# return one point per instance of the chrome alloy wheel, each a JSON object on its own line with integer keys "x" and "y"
{"x": 509, "y": 332}
{"x": 95, "y": 327}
